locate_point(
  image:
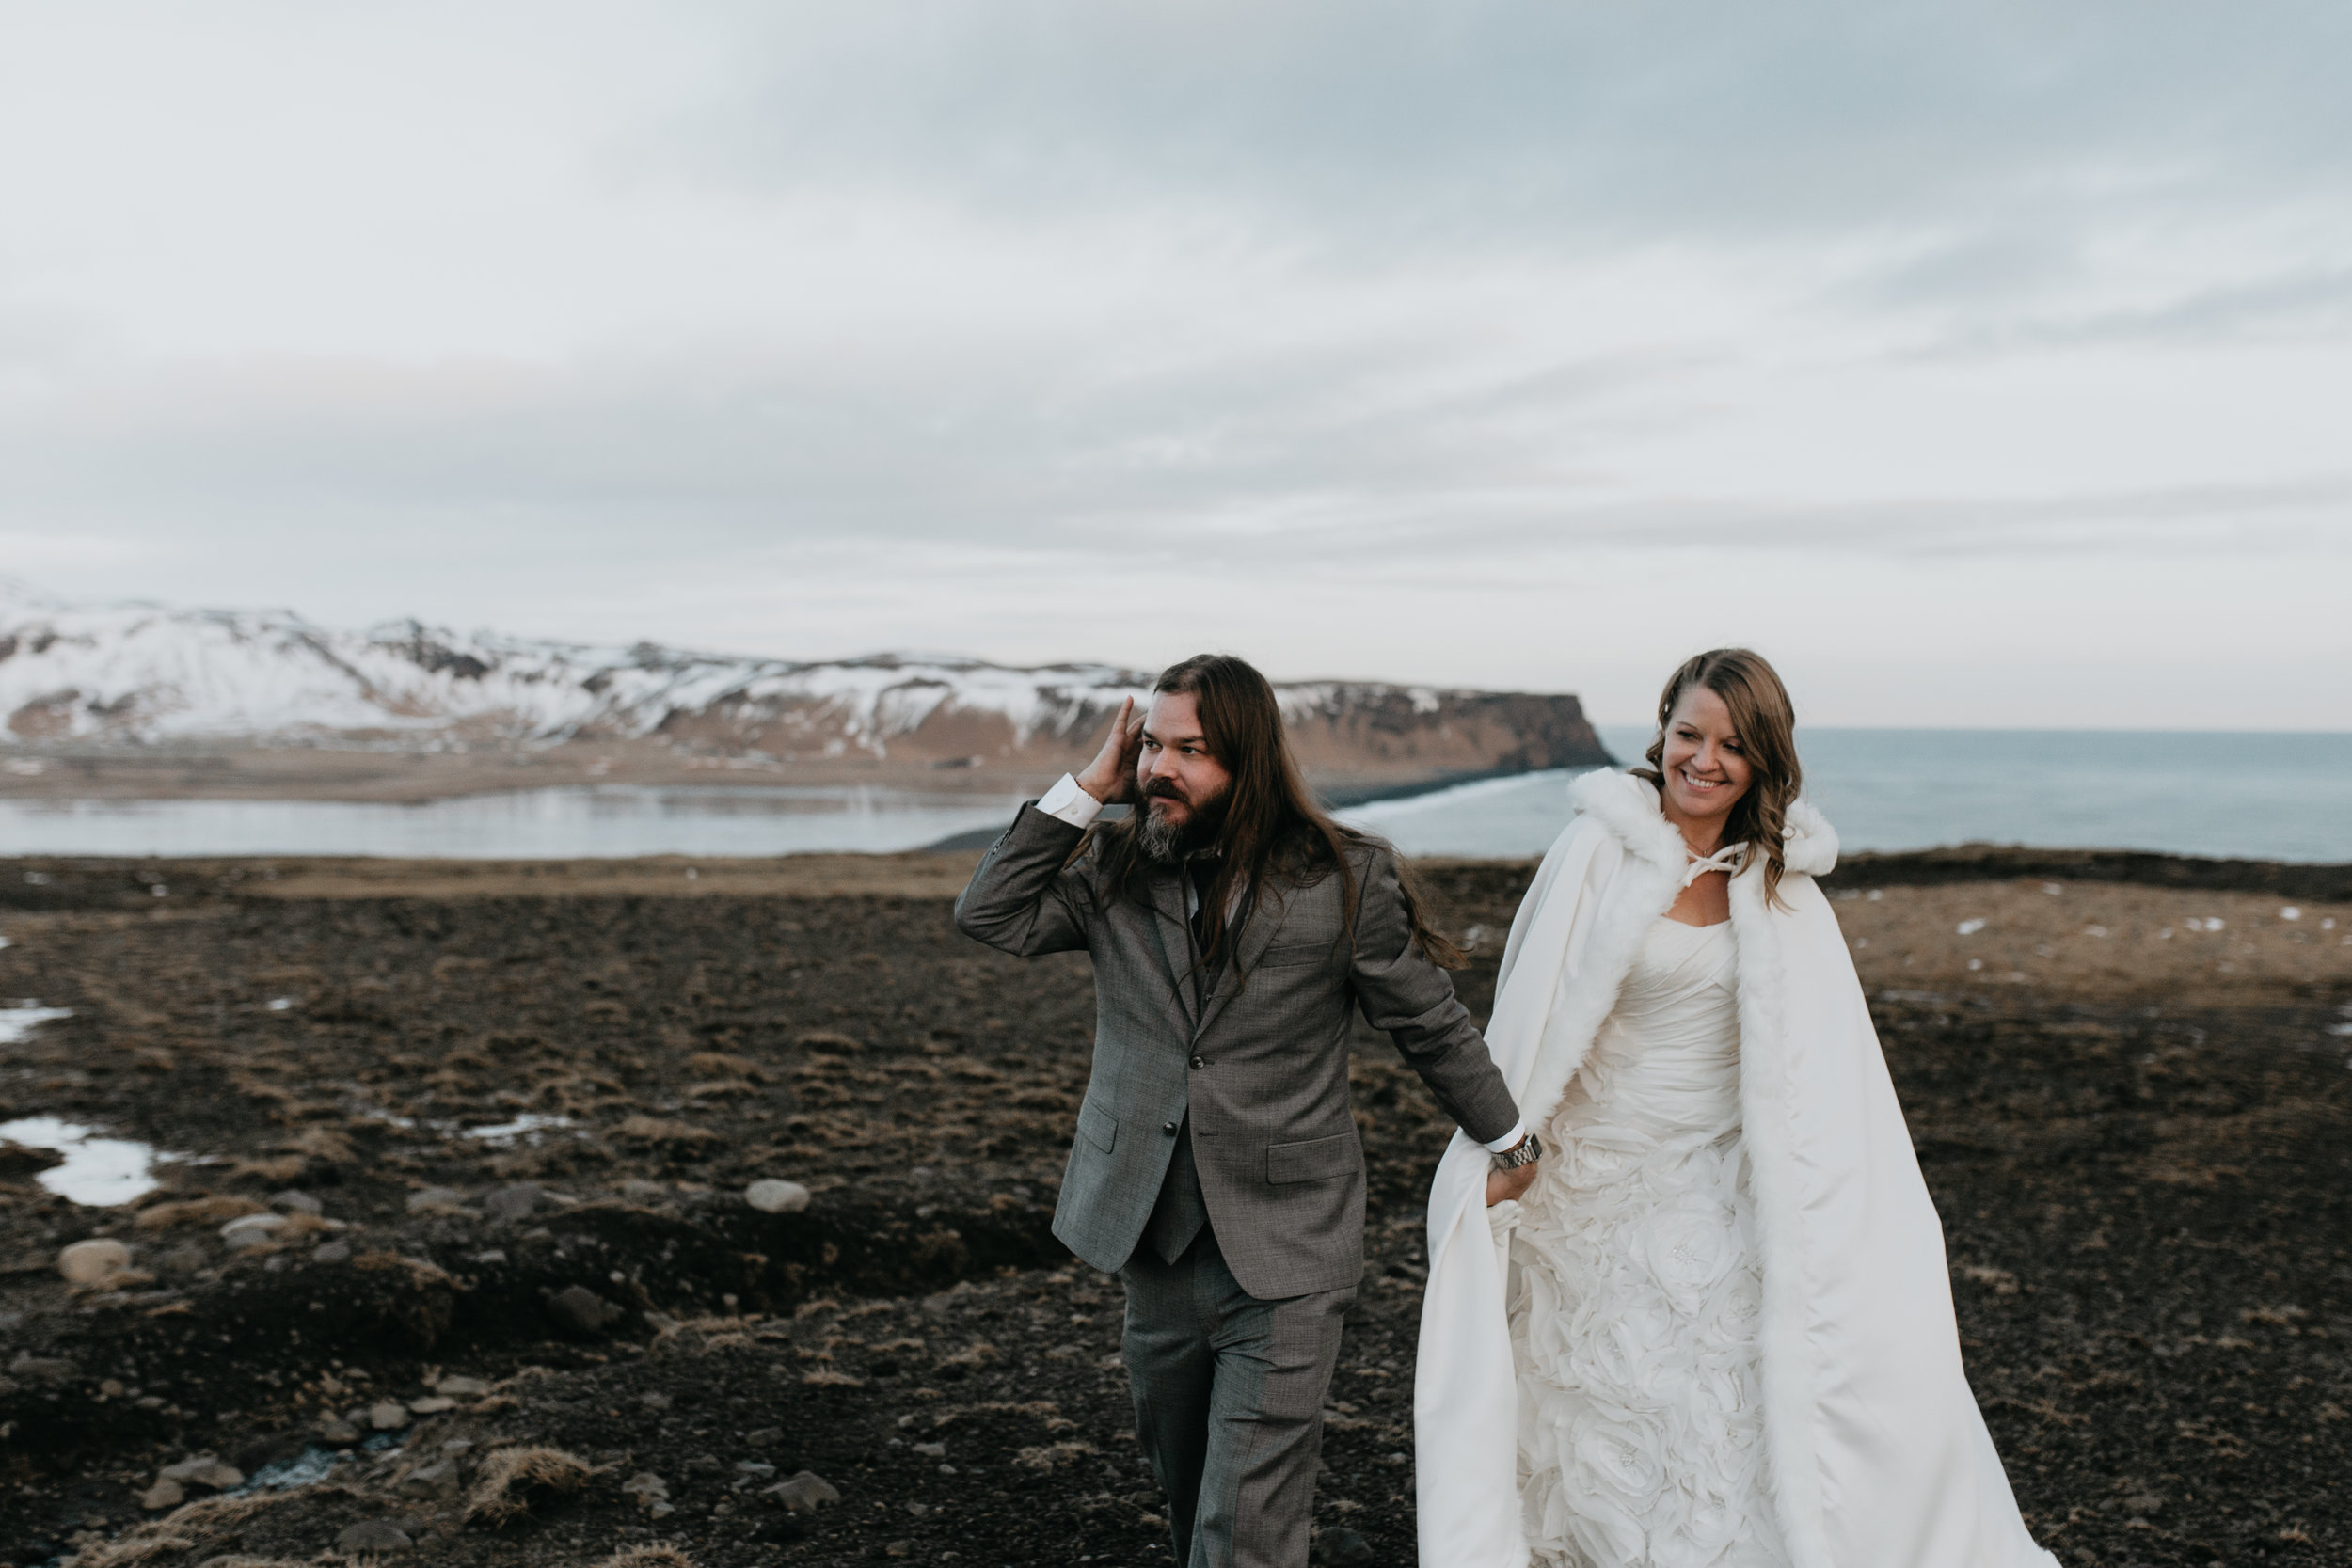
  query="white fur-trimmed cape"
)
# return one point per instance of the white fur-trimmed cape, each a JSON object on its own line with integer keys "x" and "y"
{"x": 1878, "y": 1455}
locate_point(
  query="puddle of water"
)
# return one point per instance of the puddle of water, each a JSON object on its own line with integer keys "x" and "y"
{"x": 20, "y": 1018}
{"x": 98, "y": 1172}
{"x": 311, "y": 1464}
{"x": 529, "y": 1125}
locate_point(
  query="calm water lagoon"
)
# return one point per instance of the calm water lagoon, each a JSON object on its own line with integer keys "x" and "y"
{"x": 2264, "y": 796}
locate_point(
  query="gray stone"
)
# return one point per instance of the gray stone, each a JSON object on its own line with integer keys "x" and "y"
{"x": 185, "y": 1258}
{"x": 331, "y": 1252}
{"x": 804, "y": 1493}
{"x": 166, "y": 1493}
{"x": 336, "y": 1432}
{"x": 509, "y": 1204}
{"x": 931, "y": 1450}
{"x": 753, "y": 1469}
{"x": 203, "y": 1469}
{"x": 93, "y": 1262}
{"x": 387, "y": 1416}
{"x": 436, "y": 1479}
{"x": 641, "y": 1190}
{"x": 51, "y": 1370}
{"x": 775, "y": 1196}
{"x": 581, "y": 1310}
{"x": 462, "y": 1388}
{"x": 766, "y": 1437}
{"x": 435, "y": 1198}
{"x": 252, "y": 1230}
{"x": 291, "y": 1202}
{"x": 372, "y": 1535}
{"x": 1341, "y": 1548}
{"x": 432, "y": 1404}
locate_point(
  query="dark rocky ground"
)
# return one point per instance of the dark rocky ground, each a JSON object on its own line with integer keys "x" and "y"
{"x": 2145, "y": 1200}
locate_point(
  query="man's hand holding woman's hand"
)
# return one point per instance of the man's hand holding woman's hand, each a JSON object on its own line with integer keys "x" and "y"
{"x": 1110, "y": 778}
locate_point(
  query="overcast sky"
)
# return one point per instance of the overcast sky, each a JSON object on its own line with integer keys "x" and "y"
{"x": 1982, "y": 363}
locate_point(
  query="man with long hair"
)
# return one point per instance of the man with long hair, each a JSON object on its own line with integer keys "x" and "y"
{"x": 1235, "y": 928}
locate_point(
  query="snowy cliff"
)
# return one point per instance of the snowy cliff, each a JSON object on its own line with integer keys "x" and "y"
{"x": 144, "y": 675}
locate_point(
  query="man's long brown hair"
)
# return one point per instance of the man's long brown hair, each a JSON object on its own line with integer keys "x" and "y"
{"x": 1274, "y": 833}
{"x": 1766, "y": 723}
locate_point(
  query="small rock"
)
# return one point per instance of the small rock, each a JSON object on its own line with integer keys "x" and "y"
{"x": 252, "y": 1230}
{"x": 766, "y": 1437}
{"x": 386, "y": 1416}
{"x": 29, "y": 1368}
{"x": 774, "y": 1197}
{"x": 1341, "y": 1548}
{"x": 651, "y": 1492}
{"x": 804, "y": 1493}
{"x": 931, "y": 1450}
{"x": 753, "y": 1469}
{"x": 336, "y": 1432}
{"x": 203, "y": 1469}
{"x": 641, "y": 1191}
{"x": 656, "y": 1400}
{"x": 435, "y": 1198}
{"x": 331, "y": 1252}
{"x": 185, "y": 1258}
{"x": 462, "y": 1388}
{"x": 509, "y": 1204}
{"x": 581, "y": 1310}
{"x": 436, "y": 1479}
{"x": 291, "y": 1202}
{"x": 166, "y": 1493}
{"x": 372, "y": 1535}
{"x": 432, "y": 1404}
{"x": 92, "y": 1262}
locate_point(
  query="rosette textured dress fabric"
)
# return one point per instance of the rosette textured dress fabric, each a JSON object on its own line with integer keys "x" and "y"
{"x": 1635, "y": 1287}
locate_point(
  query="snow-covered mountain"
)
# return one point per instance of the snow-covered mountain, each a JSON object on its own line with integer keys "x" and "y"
{"x": 144, "y": 674}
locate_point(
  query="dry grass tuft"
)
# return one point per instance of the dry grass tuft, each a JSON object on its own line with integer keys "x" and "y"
{"x": 647, "y": 1557}
{"x": 514, "y": 1479}
{"x": 184, "y": 1529}
{"x": 653, "y": 1130}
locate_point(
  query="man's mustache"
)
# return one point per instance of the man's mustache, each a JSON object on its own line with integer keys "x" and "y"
{"x": 1164, "y": 789}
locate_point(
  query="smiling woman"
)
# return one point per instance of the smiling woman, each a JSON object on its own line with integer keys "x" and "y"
{"x": 1725, "y": 767}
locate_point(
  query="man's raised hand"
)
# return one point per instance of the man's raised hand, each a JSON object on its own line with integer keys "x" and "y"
{"x": 1110, "y": 778}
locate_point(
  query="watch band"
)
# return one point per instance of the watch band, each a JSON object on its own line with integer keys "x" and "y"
{"x": 1525, "y": 1152}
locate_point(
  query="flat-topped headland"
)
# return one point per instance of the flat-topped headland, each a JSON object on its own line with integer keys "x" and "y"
{"x": 453, "y": 1160}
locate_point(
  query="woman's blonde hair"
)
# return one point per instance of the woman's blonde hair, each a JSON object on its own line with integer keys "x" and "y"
{"x": 1766, "y": 723}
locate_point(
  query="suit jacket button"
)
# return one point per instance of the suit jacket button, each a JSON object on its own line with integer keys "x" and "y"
{"x": 1169, "y": 1128}
{"x": 1200, "y": 1062}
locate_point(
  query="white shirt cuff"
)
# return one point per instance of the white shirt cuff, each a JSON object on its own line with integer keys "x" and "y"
{"x": 1509, "y": 1140}
{"x": 1067, "y": 803}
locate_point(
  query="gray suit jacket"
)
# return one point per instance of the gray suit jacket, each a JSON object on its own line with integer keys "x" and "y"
{"x": 1260, "y": 1065}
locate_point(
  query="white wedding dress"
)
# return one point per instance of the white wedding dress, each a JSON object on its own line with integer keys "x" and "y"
{"x": 1635, "y": 1294}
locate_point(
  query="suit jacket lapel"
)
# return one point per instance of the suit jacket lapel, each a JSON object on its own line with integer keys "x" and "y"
{"x": 1165, "y": 891}
{"x": 1262, "y": 918}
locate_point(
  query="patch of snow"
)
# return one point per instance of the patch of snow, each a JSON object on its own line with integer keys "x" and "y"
{"x": 98, "y": 1172}
{"x": 20, "y": 1018}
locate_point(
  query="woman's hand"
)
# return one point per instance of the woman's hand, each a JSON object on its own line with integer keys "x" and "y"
{"x": 1502, "y": 1184}
{"x": 1110, "y": 778}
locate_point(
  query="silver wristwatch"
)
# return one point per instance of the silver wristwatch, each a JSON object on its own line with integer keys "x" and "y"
{"x": 1525, "y": 1152}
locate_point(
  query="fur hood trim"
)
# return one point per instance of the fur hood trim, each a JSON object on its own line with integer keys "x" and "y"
{"x": 1627, "y": 808}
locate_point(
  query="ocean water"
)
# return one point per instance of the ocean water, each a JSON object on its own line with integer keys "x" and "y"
{"x": 2257, "y": 796}
{"x": 2276, "y": 797}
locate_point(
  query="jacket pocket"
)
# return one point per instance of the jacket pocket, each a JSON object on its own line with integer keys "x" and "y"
{"x": 1315, "y": 1160}
{"x": 1099, "y": 1127}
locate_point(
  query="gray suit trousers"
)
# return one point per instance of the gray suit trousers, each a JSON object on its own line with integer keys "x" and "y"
{"x": 1229, "y": 1404}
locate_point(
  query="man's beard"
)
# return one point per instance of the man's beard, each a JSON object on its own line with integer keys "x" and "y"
{"x": 1167, "y": 843}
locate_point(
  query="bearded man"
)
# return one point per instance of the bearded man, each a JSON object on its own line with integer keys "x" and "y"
{"x": 1217, "y": 1170}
